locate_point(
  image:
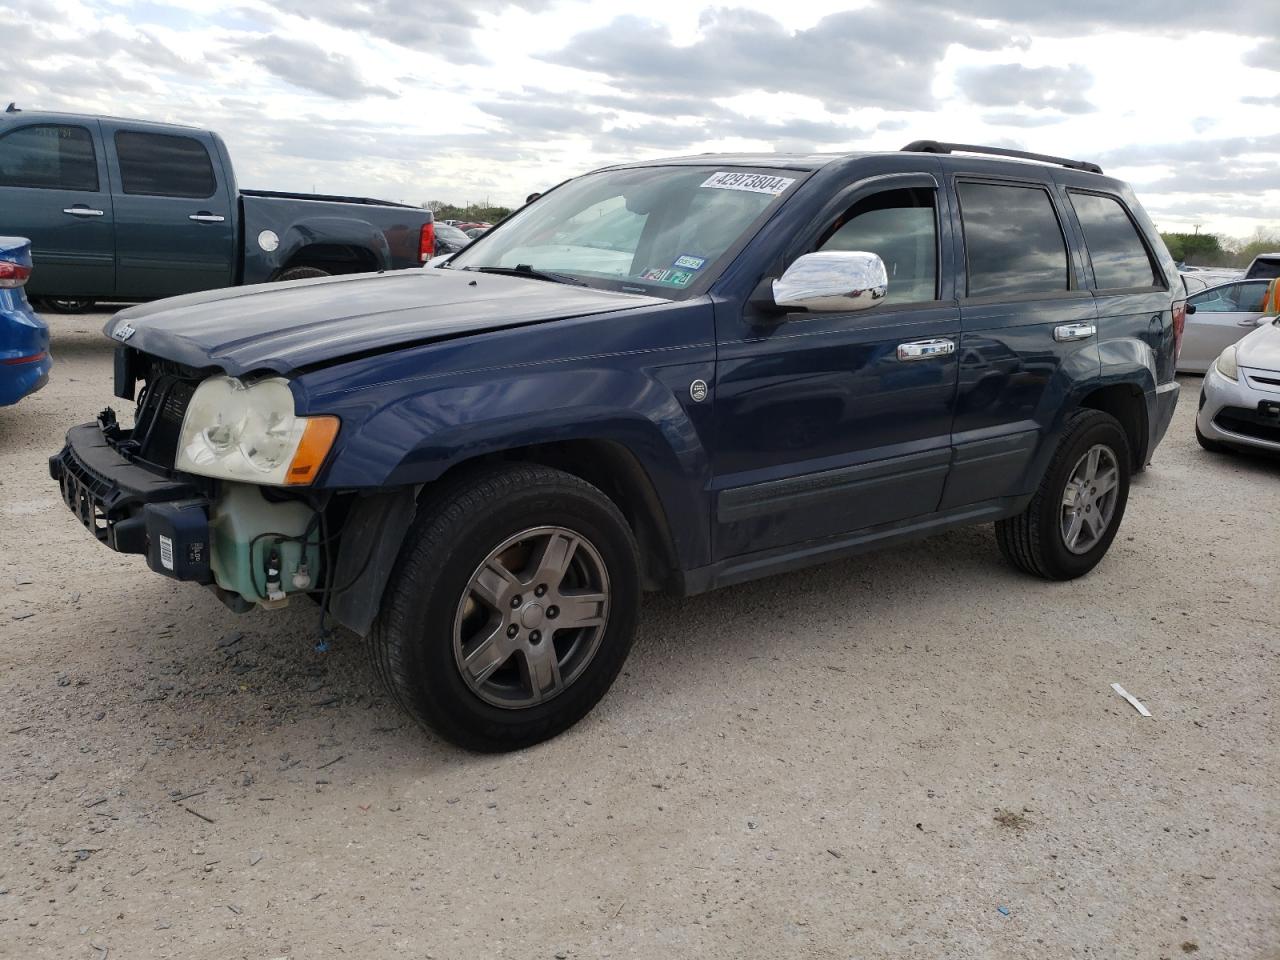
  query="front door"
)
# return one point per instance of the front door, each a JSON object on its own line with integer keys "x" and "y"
{"x": 1223, "y": 315}
{"x": 174, "y": 227}
{"x": 825, "y": 422}
{"x": 54, "y": 191}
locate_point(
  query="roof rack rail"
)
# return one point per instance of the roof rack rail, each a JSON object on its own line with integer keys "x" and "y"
{"x": 937, "y": 146}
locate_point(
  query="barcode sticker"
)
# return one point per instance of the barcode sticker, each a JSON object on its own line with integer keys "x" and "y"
{"x": 166, "y": 552}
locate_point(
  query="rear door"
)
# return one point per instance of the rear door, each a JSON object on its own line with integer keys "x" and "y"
{"x": 1027, "y": 332}
{"x": 174, "y": 225}
{"x": 54, "y": 191}
{"x": 1222, "y": 316}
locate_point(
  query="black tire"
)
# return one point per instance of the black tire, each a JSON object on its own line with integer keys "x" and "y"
{"x": 1033, "y": 541}
{"x": 412, "y": 641}
{"x": 1213, "y": 446}
{"x": 302, "y": 273}
{"x": 69, "y": 304}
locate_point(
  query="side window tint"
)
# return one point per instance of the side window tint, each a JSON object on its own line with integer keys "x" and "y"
{"x": 49, "y": 157}
{"x": 160, "y": 165}
{"x": 1013, "y": 241}
{"x": 1119, "y": 257}
{"x": 901, "y": 226}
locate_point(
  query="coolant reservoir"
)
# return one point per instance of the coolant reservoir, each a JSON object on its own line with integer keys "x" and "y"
{"x": 238, "y": 521}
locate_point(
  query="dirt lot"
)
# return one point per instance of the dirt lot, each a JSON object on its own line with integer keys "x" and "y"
{"x": 913, "y": 754}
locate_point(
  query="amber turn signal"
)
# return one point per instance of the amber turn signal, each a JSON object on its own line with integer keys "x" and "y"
{"x": 317, "y": 440}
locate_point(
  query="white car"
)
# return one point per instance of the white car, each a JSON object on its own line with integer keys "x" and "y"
{"x": 1217, "y": 318}
{"x": 1240, "y": 396}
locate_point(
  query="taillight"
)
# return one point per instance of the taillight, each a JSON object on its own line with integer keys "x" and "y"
{"x": 427, "y": 242}
{"x": 1179, "y": 323}
{"x": 29, "y": 358}
{"x": 13, "y": 274}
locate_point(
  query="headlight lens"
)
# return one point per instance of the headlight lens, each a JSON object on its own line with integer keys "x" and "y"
{"x": 1226, "y": 363}
{"x": 235, "y": 431}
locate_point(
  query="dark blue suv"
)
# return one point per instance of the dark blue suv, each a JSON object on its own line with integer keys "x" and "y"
{"x": 671, "y": 375}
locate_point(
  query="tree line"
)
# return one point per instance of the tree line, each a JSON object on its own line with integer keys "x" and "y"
{"x": 471, "y": 213}
{"x": 1215, "y": 250}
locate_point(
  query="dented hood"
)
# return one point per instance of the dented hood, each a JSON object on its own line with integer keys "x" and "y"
{"x": 288, "y": 326}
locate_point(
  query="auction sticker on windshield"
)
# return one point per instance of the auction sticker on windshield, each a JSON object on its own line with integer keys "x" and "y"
{"x": 750, "y": 182}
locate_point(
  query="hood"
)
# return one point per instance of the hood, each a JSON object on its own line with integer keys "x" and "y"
{"x": 287, "y": 326}
{"x": 1260, "y": 350}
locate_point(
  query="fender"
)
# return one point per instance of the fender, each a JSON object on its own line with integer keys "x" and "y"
{"x": 294, "y": 235}
{"x": 408, "y": 432}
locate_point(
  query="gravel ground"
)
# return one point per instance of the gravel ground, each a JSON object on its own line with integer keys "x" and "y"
{"x": 911, "y": 754}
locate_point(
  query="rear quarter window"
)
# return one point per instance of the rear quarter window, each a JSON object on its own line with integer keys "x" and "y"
{"x": 162, "y": 165}
{"x": 1120, "y": 258}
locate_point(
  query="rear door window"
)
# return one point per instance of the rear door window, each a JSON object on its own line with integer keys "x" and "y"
{"x": 1120, "y": 258}
{"x": 1014, "y": 245}
{"x": 162, "y": 165}
{"x": 49, "y": 156}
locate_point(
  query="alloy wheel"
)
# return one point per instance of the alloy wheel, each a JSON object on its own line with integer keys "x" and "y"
{"x": 1089, "y": 499}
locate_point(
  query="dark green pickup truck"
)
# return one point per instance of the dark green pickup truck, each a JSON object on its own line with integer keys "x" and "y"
{"x": 132, "y": 210}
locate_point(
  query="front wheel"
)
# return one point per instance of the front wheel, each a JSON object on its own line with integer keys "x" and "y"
{"x": 512, "y": 610}
{"x": 1067, "y": 528}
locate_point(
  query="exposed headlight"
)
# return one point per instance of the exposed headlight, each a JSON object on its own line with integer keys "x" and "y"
{"x": 249, "y": 433}
{"x": 1226, "y": 363}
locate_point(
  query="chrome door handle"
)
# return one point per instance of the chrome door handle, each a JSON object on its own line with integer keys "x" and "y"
{"x": 83, "y": 212}
{"x": 206, "y": 218}
{"x": 1074, "y": 331}
{"x": 926, "y": 349}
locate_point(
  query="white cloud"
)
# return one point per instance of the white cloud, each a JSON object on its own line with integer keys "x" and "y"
{"x": 465, "y": 99}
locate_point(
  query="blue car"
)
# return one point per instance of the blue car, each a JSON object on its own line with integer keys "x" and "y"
{"x": 24, "y": 337}
{"x": 672, "y": 375}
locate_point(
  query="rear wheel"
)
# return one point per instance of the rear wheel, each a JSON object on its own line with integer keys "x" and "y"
{"x": 302, "y": 273}
{"x": 1067, "y": 528}
{"x": 512, "y": 610}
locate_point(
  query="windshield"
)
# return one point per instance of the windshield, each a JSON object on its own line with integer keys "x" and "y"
{"x": 657, "y": 230}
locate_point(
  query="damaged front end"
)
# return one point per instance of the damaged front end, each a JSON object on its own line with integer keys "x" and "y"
{"x": 212, "y": 484}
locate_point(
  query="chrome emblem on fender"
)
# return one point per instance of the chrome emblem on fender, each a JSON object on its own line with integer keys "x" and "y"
{"x": 698, "y": 390}
{"x": 123, "y": 332}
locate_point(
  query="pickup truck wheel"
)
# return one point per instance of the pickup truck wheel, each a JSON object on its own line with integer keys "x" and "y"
{"x": 1073, "y": 517}
{"x": 69, "y": 304}
{"x": 512, "y": 609}
{"x": 302, "y": 273}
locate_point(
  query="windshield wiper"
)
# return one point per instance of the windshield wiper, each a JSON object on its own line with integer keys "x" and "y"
{"x": 524, "y": 270}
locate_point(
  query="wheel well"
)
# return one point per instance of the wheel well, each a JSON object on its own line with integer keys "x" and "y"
{"x": 615, "y": 471}
{"x": 1125, "y": 402}
{"x": 334, "y": 258}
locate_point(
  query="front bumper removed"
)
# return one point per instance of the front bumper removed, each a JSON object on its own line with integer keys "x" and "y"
{"x": 132, "y": 509}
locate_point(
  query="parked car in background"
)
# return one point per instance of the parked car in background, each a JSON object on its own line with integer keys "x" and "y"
{"x": 475, "y": 232}
{"x": 670, "y": 375}
{"x": 131, "y": 210}
{"x": 1218, "y": 317}
{"x": 449, "y": 239}
{"x": 1201, "y": 278}
{"x": 24, "y": 337}
{"x": 1265, "y": 266}
{"x": 1240, "y": 394}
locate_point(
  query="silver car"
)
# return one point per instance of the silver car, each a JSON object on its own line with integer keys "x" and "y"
{"x": 1217, "y": 318}
{"x": 1240, "y": 396}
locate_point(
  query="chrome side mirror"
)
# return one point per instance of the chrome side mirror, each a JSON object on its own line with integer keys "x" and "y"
{"x": 833, "y": 281}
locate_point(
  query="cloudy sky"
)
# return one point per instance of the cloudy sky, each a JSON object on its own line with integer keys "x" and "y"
{"x": 468, "y": 100}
